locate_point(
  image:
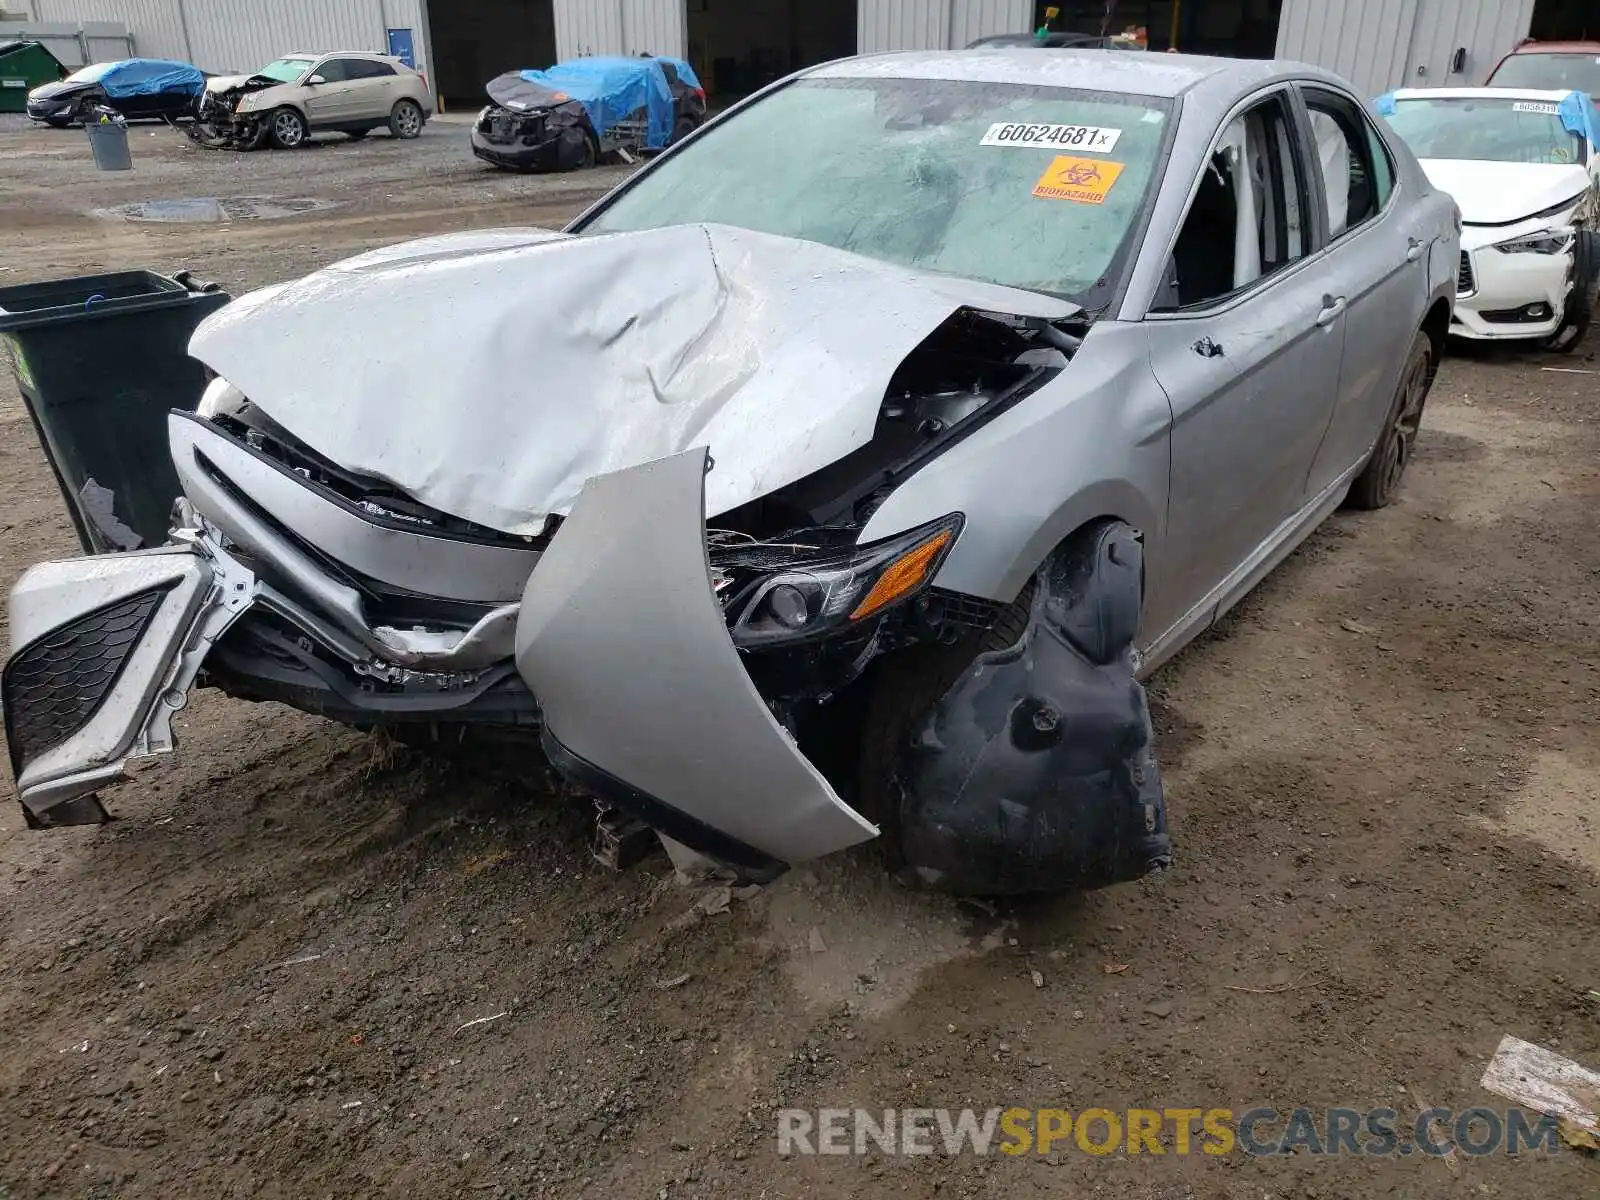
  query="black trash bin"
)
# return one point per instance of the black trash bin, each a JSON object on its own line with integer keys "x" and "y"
{"x": 100, "y": 360}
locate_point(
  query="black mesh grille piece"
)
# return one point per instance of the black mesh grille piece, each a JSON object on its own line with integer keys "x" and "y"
{"x": 56, "y": 684}
{"x": 957, "y": 608}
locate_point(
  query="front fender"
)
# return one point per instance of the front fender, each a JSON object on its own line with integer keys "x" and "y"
{"x": 1036, "y": 771}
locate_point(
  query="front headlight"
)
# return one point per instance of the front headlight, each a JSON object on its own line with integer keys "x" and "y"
{"x": 774, "y": 599}
{"x": 220, "y": 399}
{"x": 1545, "y": 241}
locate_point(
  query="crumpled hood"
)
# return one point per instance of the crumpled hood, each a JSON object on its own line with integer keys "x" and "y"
{"x": 1496, "y": 193}
{"x": 491, "y": 374}
{"x": 221, "y": 83}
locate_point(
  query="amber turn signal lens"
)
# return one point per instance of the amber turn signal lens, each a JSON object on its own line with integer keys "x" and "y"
{"x": 905, "y": 575}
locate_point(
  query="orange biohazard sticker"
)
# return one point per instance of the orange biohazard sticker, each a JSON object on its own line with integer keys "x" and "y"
{"x": 1083, "y": 180}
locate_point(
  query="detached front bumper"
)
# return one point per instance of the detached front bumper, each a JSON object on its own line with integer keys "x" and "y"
{"x": 1511, "y": 296}
{"x": 103, "y": 653}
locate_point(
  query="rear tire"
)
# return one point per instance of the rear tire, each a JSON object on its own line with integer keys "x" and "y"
{"x": 405, "y": 120}
{"x": 682, "y": 129}
{"x": 1379, "y": 482}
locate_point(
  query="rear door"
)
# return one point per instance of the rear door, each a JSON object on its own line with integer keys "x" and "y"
{"x": 373, "y": 89}
{"x": 1246, "y": 341}
{"x": 1376, "y": 265}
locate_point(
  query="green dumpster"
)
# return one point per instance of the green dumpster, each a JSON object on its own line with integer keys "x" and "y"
{"x": 23, "y": 67}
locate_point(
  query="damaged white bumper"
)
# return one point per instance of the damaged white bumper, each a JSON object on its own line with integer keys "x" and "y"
{"x": 103, "y": 653}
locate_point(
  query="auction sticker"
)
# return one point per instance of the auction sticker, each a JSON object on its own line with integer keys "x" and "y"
{"x": 1536, "y": 106}
{"x": 1090, "y": 139}
{"x": 1083, "y": 180}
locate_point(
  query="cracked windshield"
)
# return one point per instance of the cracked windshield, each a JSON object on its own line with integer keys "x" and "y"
{"x": 1030, "y": 187}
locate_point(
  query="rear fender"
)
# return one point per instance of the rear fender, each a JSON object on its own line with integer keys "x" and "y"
{"x": 1036, "y": 771}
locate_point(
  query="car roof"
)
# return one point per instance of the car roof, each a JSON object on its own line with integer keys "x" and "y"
{"x": 373, "y": 54}
{"x": 1558, "y": 48}
{"x": 1554, "y": 95}
{"x": 1156, "y": 75}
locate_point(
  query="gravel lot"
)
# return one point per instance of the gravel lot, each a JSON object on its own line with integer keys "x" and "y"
{"x": 1384, "y": 783}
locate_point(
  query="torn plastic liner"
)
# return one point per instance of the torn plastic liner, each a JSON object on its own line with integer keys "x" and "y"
{"x": 1036, "y": 771}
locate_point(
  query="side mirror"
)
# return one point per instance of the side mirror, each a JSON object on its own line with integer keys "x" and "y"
{"x": 316, "y": 81}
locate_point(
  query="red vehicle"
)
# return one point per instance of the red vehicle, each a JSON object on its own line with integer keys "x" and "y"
{"x": 1573, "y": 66}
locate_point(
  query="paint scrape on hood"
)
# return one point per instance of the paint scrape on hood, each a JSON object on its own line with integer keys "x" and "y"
{"x": 1496, "y": 193}
{"x": 491, "y": 375}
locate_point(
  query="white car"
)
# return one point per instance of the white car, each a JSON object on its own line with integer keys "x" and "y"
{"x": 1523, "y": 167}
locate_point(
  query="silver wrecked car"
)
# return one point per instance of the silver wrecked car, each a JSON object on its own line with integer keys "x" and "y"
{"x": 838, "y": 476}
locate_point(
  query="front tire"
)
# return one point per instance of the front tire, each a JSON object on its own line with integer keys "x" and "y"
{"x": 589, "y": 156}
{"x": 288, "y": 129}
{"x": 1579, "y": 312}
{"x": 405, "y": 120}
{"x": 1379, "y": 482}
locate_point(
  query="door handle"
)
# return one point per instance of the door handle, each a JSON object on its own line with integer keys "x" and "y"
{"x": 1206, "y": 348}
{"x": 1413, "y": 250}
{"x": 1332, "y": 309}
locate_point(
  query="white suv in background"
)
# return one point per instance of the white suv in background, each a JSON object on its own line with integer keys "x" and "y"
{"x": 347, "y": 91}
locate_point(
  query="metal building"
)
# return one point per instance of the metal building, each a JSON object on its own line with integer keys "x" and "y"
{"x": 740, "y": 45}
{"x": 1384, "y": 44}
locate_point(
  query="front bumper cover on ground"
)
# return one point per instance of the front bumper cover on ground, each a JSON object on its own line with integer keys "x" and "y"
{"x": 622, "y": 640}
{"x": 103, "y": 653}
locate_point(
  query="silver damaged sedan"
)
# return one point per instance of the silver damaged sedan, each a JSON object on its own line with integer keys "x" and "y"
{"x": 838, "y": 476}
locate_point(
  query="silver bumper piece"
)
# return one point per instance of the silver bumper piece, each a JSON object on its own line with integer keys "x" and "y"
{"x": 622, "y": 641}
{"x": 103, "y": 653}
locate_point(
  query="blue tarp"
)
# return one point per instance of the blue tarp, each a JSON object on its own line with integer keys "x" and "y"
{"x": 149, "y": 77}
{"x": 611, "y": 88}
{"x": 1577, "y": 111}
{"x": 684, "y": 70}
{"x": 1579, "y": 115}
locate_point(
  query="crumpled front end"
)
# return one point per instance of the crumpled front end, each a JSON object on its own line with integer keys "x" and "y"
{"x": 537, "y": 139}
{"x": 650, "y": 566}
{"x": 225, "y": 116}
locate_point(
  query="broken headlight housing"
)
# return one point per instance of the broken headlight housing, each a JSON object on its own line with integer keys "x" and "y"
{"x": 1544, "y": 241}
{"x": 776, "y": 594}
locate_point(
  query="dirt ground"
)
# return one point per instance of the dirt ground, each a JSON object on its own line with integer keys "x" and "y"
{"x": 262, "y": 978}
